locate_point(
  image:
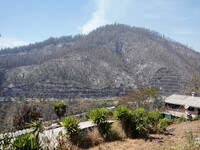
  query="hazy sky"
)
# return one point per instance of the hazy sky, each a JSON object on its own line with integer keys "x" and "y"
{"x": 28, "y": 21}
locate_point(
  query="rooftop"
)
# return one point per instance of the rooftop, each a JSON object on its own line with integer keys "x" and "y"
{"x": 183, "y": 100}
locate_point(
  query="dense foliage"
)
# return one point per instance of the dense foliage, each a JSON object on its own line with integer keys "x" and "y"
{"x": 153, "y": 120}
{"x": 139, "y": 122}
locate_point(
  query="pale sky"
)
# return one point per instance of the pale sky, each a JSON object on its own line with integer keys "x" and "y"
{"x": 28, "y": 21}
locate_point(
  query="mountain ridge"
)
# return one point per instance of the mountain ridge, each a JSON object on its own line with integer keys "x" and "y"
{"x": 111, "y": 60}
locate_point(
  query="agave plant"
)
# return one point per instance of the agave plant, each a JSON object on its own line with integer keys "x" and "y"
{"x": 27, "y": 141}
{"x": 99, "y": 117}
{"x": 71, "y": 125}
{"x": 153, "y": 120}
{"x": 125, "y": 116}
{"x": 140, "y": 119}
{"x": 60, "y": 109}
{"x": 37, "y": 125}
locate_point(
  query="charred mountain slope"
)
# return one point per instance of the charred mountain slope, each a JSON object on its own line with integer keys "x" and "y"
{"x": 111, "y": 60}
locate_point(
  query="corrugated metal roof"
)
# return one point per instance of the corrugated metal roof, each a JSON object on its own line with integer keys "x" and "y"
{"x": 183, "y": 100}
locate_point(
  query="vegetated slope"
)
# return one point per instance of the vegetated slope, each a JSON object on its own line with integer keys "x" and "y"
{"x": 111, "y": 60}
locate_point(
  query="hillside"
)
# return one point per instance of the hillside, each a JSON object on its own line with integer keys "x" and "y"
{"x": 178, "y": 139}
{"x": 110, "y": 61}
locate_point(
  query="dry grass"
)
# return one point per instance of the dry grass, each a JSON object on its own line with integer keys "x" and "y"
{"x": 176, "y": 140}
{"x": 119, "y": 133}
{"x": 92, "y": 138}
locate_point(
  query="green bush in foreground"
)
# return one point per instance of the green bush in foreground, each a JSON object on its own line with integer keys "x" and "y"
{"x": 27, "y": 141}
{"x": 71, "y": 125}
{"x": 125, "y": 116}
{"x": 153, "y": 120}
{"x": 164, "y": 123}
{"x": 99, "y": 116}
{"x": 140, "y": 121}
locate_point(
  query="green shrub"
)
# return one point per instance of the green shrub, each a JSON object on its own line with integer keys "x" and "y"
{"x": 37, "y": 125}
{"x": 99, "y": 117}
{"x": 180, "y": 119}
{"x": 153, "y": 120}
{"x": 71, "y": 125}
{"x": 125, "y": 116}
{"x": 136, "y": 123}
{"x": 154, "y": 116}
{"x": 29, "y": 140}
{"x": 140, "y": 120}
{"x": 26, "y": 142}
{"x": 164, "y": 123}
{"x": 60, "y": 109}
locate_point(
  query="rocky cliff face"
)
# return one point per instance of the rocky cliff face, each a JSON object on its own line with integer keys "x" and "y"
{"x": 112, "y": 60}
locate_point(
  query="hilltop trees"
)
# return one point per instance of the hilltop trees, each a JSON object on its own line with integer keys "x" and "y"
{"x": 148, "y": 98}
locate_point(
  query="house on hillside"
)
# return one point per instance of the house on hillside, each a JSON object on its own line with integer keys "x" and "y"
{"x": 182, "y": 105}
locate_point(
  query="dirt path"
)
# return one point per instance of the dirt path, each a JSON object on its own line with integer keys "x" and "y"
{"x": 157, "y": 141}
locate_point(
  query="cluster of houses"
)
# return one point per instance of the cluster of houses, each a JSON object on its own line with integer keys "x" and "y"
{"x": 182, "y": 106}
